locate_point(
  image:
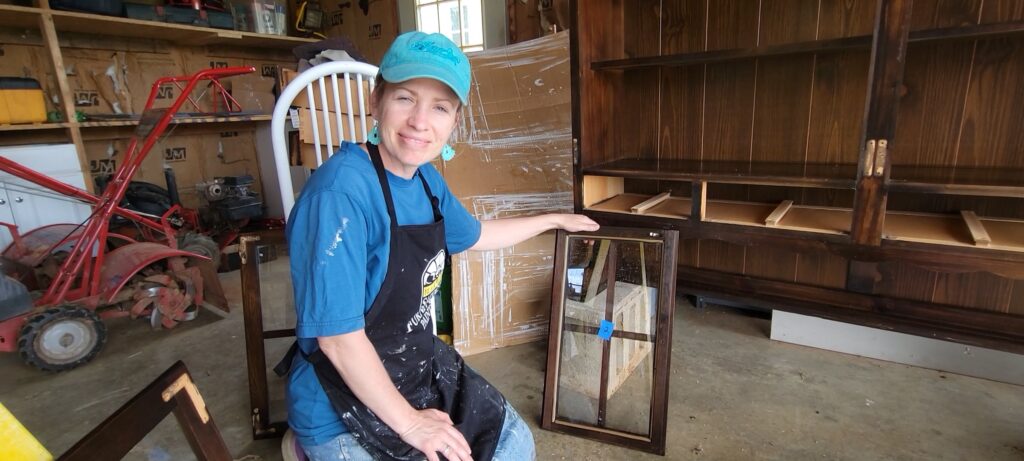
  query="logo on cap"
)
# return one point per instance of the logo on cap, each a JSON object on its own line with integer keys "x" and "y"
{"x": 426, "y": 46}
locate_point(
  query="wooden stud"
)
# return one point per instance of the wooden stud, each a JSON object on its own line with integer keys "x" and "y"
{"x": 780, "y": 212}
{"x": 642, "y": 207}
{"x": 977, "y": 228}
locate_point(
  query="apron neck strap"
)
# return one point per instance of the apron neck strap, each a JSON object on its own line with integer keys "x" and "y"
{"x": 382, "y": 177}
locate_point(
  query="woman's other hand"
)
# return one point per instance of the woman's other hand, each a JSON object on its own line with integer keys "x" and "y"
{"x": 432, "y": 431}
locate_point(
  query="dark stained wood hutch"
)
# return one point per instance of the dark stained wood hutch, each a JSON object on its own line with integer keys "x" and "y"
{"x": 858, "y": 160}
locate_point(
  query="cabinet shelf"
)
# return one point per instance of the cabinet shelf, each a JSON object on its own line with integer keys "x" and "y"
{"x": 919, "y": 228}
{"x": 833, "y": 176}
{"x": 182, "y": 119}
{"x": 69, "y": 21}
{"x": 33, "y": 126}
{"x": 990, "y": 182}
{"x": 813, "y": 46}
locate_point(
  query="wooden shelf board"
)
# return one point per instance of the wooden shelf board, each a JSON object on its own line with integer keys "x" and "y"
{"x": 951, "y": 230}
{"x": 837, "y": 176}
{"x": 993, "y": 182}
{"x": 87, "y": 23}
{"x": 33, "y": 126}
{"x": 674, "y": 207}
{"x": 21, "y": 17}
{"x": 808, "y": 219}
{"x": 182, "y": 120}
{"x": 813, "y": 46}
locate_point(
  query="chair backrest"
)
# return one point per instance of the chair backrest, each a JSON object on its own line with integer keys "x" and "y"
{"x": 336, "y": 95}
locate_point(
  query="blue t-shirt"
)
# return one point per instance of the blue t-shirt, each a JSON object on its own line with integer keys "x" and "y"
{"x": 338, "y": 243}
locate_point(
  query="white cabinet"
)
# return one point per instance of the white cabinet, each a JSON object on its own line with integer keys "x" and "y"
{"x": 29, "y": 205}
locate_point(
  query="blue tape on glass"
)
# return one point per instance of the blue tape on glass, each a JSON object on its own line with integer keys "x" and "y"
{"x": 605, "y": 331}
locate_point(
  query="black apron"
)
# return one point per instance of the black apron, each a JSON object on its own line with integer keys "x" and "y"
{"x": 426, "y": 371}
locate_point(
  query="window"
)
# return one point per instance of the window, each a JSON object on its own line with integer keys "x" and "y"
{"x": 460, "y": 20}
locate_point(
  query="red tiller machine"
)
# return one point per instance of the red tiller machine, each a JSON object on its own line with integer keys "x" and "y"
{"x": 59, "y": 281}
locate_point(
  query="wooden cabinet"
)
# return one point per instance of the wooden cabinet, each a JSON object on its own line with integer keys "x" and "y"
{"x": 855, "y": 160}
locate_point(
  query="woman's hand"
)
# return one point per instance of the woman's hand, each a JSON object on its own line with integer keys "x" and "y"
{"x": 576, "y": 223}
{"x": 433, "y": 432}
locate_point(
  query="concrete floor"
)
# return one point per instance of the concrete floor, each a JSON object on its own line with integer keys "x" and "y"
{"x": 734, "y": 395}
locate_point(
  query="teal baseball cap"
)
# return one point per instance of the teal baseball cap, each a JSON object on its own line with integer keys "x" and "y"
{"x": 419, "y": 55}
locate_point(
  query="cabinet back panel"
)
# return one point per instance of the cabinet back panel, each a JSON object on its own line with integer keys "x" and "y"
{"x": 992, "y": 134}
{"x": 837, "y": 107}
{"x": 1002, "y": 10}
{"x": 731, "y": 24}
{"x": 682, "y": 107}
{"x": 930, "y": 14}
{"x": 781, "y": 107}
{"x": 846, "y": 18}
{"x": 683, "y": 26}
{"x": 931, "y": 108}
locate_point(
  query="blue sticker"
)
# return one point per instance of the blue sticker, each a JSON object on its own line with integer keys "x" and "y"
{"x": 605, "y": 332}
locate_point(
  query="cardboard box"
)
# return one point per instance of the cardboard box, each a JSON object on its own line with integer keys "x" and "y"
{"x": 371, "y": 29}
{"x": 513, "y": 158}
{"x": 302, "y": 100}
{"x": 144, "y": 69}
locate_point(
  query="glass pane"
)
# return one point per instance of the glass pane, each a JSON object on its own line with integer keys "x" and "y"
{"x": 606, "y": 375}
{"x": 472, "y": 22}
{"x": 276, "y": 298}
{"x": 426, "y": 18}
{"x": 448, "y": 21}
{"x": 425, "y": 2}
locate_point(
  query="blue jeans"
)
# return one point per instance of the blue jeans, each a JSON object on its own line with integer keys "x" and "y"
{"x": 514, "y": 444}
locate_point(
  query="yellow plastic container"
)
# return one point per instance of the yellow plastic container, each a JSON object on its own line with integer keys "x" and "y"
{"x": 21, "y": 101}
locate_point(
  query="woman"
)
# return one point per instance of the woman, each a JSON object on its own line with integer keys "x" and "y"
{"x": 368, "y": 238}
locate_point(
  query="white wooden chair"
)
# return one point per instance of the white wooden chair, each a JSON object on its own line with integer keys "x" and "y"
{"x": 321, "y": 84}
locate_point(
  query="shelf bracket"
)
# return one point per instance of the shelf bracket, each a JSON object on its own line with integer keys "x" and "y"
{"x": 976, "y": 228}
{"x": 780, "y": 212}
{"x": 880, "y": 154}
{"x": 870, "y": 150}
{"x": 642, "y": 207}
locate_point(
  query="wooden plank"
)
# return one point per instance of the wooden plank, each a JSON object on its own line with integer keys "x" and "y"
{"x": 731, "y": 24}
{"x": 787, "y": 21}
{"x": 995, "y": 11}
{"x": 780, "y": 211}
{"x": 599, "y": 188}
{"x": 49, "y": 32}
{"x": 683, "y": 26}
{"x": 721, "y": 256}
{"x": 674, "y": 207}
{"x": 781, "y": 109}
{"x": 901, "y": 280}
{"x": 976, "y": 228}
{"x": 771, "y": 262}
{"x": 681, "y": 114}
{"x": 642, "y": 207}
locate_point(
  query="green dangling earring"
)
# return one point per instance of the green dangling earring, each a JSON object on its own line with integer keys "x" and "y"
{"x": 447, "y": 153}
{"x": 373, "y": 137}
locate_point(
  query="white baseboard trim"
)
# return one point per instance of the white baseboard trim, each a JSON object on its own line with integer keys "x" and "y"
{"x": 898, "y": 347}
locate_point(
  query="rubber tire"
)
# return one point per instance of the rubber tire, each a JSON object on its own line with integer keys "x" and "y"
{"x": 200, "y": 244}
{"x": 38, "y": 324}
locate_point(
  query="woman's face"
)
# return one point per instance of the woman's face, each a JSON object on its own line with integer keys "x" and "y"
{"x": 415, "y": 119}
